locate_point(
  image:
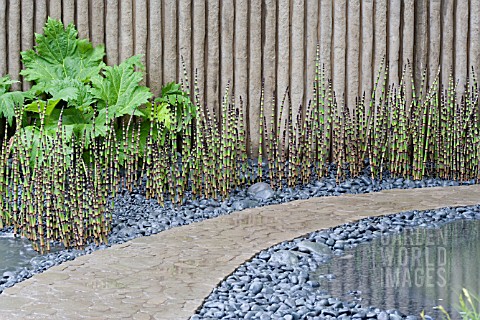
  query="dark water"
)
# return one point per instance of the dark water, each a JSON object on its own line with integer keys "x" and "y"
{"x": 412, "y": 271}
{"x": 15, "y": 253}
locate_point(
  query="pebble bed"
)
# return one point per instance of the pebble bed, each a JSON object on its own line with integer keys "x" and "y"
{"x": 275, "y": 284}
{"x": 134, "y": 216}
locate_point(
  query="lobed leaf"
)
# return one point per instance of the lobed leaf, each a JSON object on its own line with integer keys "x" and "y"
{"x": 119, "y": 88}
{"x": 9, "y": 101}
{"x": 59, "y": 54}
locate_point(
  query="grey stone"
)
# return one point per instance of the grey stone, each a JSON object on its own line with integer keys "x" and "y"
{"x": 314, "y": 247}
{"x": 244, "y": 204}
{"x": 256, "y": 287}
{"x": 382, "y": 316}
{"x": 264, "y": 194}
{"x": 264, "y": 255}
{"x": 339, "y": 245}
{"x": 284, "y": 257}
{"x": 245, "y": 307}
{"x": 250, "y": 315}
{"x": 360, "y": 315}
{"x": 261, "y": 191}
{"x": 265, "y": 316}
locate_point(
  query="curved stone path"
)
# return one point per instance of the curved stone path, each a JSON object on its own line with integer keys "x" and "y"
{"x": 167, "y": 276}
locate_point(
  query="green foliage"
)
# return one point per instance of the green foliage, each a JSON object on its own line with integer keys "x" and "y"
{"x": 59, "y": 54}
{"x": 9, "y": 101}
{"x": 61, "y": 67}
{"x": 60, "y": 198}
{"x": 119, "y": 89}
{"x": 467, "y": 308}
{"x": 469, "y": 305}
{"x": 161, "y": 113}
{"x": 173, "y": 110}
{"x": 68, "y": 74}
{"x": 178, "y": 103}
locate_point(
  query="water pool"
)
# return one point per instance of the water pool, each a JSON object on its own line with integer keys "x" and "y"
{"x": 15, "y": 254}
{"x": 411, "y": 271}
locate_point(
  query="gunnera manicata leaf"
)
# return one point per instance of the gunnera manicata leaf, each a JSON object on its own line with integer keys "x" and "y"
{"x": 9, "y": 101}
{"x": 120, "y": 89}
{"x": 59, "y": 54}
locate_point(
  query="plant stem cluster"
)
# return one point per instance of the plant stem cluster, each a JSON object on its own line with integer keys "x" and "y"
{"x": 61, "y": 188}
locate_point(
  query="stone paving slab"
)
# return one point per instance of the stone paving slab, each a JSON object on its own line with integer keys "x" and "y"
{"x": 167, "y": 276}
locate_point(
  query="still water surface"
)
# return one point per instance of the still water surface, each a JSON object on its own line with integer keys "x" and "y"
{"x": 15, "y": 253}
{"x": 415, "y": 270}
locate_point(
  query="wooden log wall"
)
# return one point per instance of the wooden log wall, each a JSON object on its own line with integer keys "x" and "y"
{"x": 245, "y": 42}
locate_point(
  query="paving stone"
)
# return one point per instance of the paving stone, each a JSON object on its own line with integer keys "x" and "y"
{"x": 141, "y": 316}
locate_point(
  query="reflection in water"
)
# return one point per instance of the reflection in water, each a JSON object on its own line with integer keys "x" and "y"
{"x": 15, "y": 253}
{"x": 415, "y": 270}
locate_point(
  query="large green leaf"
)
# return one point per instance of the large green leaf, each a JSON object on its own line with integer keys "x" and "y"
{"x": 40, "y": 106}
{"x": 74, "y": 92}
{"x": 161, "y": 113}
{"x": 57, "y": 42}
{"x": 119, "y": 88}
{"x": 179, "y": 104}
{"x": 76, "y": 122}
{"x": 38, "y": 69}
{"x": 60, "y": 54}
{"x": 87, "y": 64}
{"x": 10, "y": 100}
{"x": 6, "y": 83}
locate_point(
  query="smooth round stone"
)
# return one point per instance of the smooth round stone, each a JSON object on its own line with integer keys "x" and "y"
{"x": 256, "y": 287}
{"x": 257, "y": 307}
{"x": 264, "y": 255}
{"x": 303, "y": 195}
{"x": 284, "y": 257}
{"x": 319, "y": 184}
{"x": 273, "y": 307}
{"x": 340, "y": 245}
{"x": 245, "y": 307}
{"x": 265, "y": 195}
{"x": 314, "y": 247}
{"x": 265, "y": 316}
{"x": 244, "y": 204}
{"x": 331, "y": 313}
{"x": 261, "y": 191}
{"x": 359, "y": 315}
{"x": 383, "y": 316}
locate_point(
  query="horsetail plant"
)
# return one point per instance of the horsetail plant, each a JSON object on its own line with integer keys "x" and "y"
{"x": 60, "y": 188}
